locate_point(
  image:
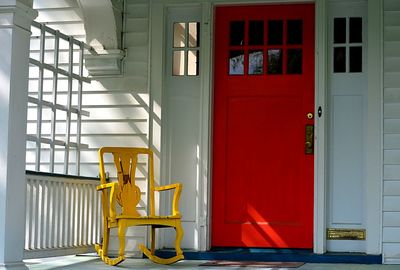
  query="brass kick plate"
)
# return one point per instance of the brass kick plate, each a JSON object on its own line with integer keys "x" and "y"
{"x": 345, "y": 234}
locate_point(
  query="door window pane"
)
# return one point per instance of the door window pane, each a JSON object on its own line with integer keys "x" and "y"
{"x": 294, "y": 61}
{"x": 179, "y": 35}
{"x": 339, "y": 30}
{"x": 294, "y": 32}
{"x": 256, "y": 62}
{"x": 178, "y": 65}
{"x": 194, "y": 34}
{"x": 355, "y": 30}
{"x": 256, "y": 32}
{"x": 275, "y": 32}
{"x": 193, "y": 63}
{"x": 275, "y": 61}
{"x": 355, "y": 59}
{"x": 236, "y": 33}
{"x": 339, "y": 59}
{"x": 236, "y": 62}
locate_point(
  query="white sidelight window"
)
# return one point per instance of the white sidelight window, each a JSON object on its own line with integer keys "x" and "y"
{"x": 56, "y": 79}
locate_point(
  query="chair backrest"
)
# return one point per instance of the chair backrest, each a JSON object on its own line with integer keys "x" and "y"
{"x": 128, "y": 193}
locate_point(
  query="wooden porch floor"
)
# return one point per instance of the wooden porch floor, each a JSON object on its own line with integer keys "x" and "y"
{"x": 93, "y": 262}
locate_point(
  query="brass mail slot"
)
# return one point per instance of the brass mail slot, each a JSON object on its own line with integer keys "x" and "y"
{"x": 345, "y": 234}
{"x": 309, "y": 144}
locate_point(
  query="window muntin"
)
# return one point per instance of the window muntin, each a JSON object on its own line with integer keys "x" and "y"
{"x": 266, "y": 47}
{"x": 186, "y": 49}
{"x": 347, "y": 45}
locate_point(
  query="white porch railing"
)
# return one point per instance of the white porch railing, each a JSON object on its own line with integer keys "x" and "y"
{"x": 63, "y": 215}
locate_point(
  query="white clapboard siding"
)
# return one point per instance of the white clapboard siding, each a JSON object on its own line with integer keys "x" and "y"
{"x": 118, "y": 105}
{"x": 391, "y": 175}
{"x": 62, "y": 15}
{"x": 119, "y": 111}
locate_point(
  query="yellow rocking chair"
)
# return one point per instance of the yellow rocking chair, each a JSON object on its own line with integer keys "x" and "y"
{"x": 127, "y": 194}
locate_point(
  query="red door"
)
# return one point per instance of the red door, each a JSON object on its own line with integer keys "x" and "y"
{"x": 264, "y": 91}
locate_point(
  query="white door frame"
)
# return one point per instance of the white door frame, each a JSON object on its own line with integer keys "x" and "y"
{"x": 374, "y": 139}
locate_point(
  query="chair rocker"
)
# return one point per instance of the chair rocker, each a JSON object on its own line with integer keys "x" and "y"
{"x": 127, "y": 195}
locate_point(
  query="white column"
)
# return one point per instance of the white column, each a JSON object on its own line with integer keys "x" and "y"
{"x": 15, "y": 20}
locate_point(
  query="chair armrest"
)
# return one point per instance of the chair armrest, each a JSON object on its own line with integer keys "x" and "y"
{"x": 168, "y": 187}
{"x": 176, "y": 197}
{"x": 108, "y": 185}
{"x": 112, "y": 212}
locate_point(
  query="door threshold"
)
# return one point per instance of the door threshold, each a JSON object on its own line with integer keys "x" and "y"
{"x": 275, "y": 255}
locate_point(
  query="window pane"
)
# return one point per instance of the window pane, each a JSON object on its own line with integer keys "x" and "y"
{"x": 294, "y": 61}
{"x": 355, "y": 30}
{"x": 294, "y": 32}
{"x": 194, "y": 34}
{"x": 339, "y": 30}
{"x": 178, "y": 65}
{"x": 356, "y": 59}
{"x": 275, "y": 32}
{"x": 236, "y": 33}
{"x": 179, "y": 35}
{"x": 193, "y": 63}
{"x": 256, "y": 32}
{"x": 256, "y": 60}
{"x": 339, "y": 59}
{"x": 275, "y": 61}
{"x": 236, "y": 61}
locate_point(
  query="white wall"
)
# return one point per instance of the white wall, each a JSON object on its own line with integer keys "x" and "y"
{"x": 118, "y": 105}
{"x": 119, "y": 108}
{"x": 391, "y": 133}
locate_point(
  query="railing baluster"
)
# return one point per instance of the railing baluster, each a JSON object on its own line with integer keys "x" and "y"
{"x": 62, "y": 214}
{"x": 35, "y": 211}
{"x": 28, "y": 213}
{"x": 49, "y": 223}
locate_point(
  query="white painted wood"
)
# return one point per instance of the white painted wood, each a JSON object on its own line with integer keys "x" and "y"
{"x": 206, "y": 71}
{"x": 61, "y": 215}
{"x": 391, "y": 49}
{"x": 348, "y": 97}
{"x": 392, "y": 111}
{"x": 103, "y": 25}
{"x": 15, "y": 21}
{"x": 156, "y": 87}
{"x": 391, "y": 141}
{"x": 391, "y": 188}
{"x": 391, "y": 253}
{"x": 391, "y": 203}
{"x": 391, "y": 17}
{"x": 391, "y": 172}
{"x": 391, "y": 5}
{"x": 321, "y": 127}
{"x": 374, "y": 159}
{"x": 391, "y": 156}
{"x": 392, "y": 64}
{"x": 391, "y": 234}
{"x": 347, "y": 196}
{"x": 391, "y": 219}
{"x": 391, "y": 33}
{"x": 181, "y": 106}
